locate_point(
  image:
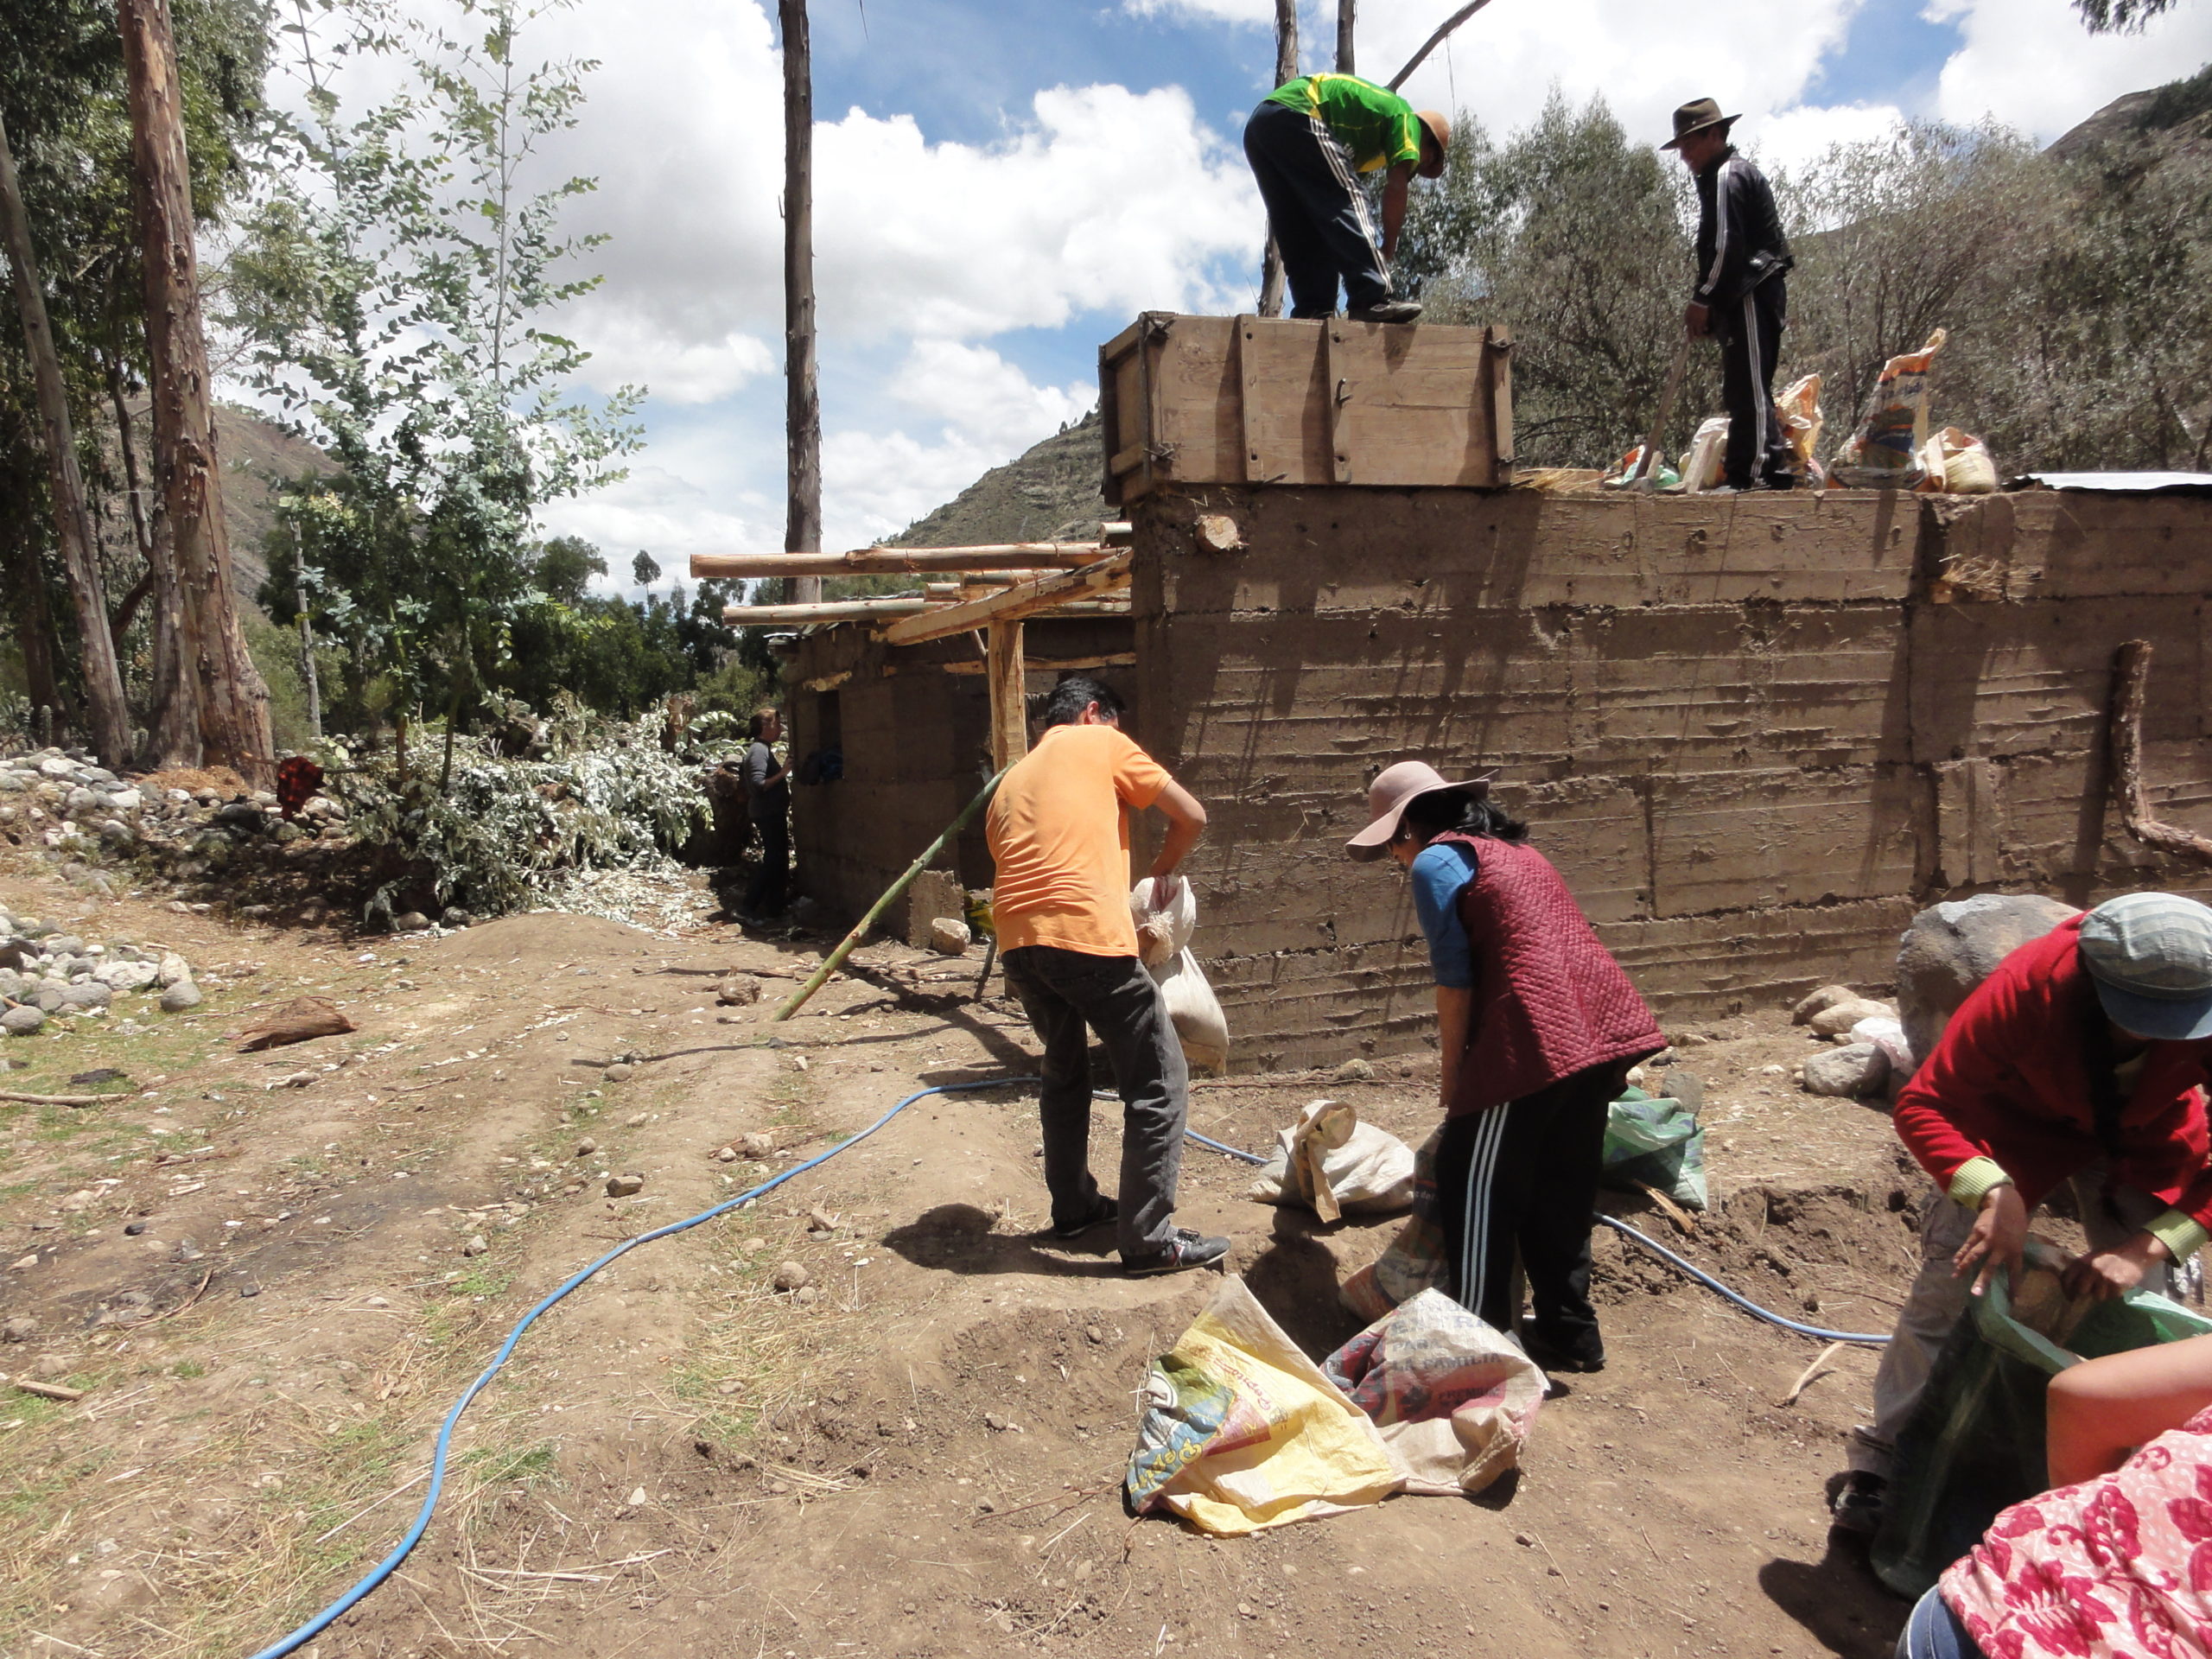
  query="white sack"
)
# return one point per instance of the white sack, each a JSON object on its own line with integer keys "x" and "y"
{"x": 1333, "y": 1163}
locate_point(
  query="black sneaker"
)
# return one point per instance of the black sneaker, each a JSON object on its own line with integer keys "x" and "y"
{"x": 1188, "y": 1249}
{"x": 1558, "y": 1360}
{"x": 1388, "y": 311}
{"x": 1107, "y": 1211}
{"x": 1857, "y": 1506}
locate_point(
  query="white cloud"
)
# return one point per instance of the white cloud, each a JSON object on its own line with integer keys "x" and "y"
{"x": 1786, "y": 141}
{"x": 976, "y": 390}
{"x": 2033, "y": 65}
{"x": 628, "y": 350}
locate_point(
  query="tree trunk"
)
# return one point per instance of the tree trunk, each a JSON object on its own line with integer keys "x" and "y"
{"x": 234, "y": 702}
{"x": 110, "y": 717}
{"x": 1344, "y": 10}
{"x": 1271, "y": 279}
{"x": 307, "y": 640}
{"x": 34, "y": 624}
{"x": 802, "y": 406}
{"x": 172, "y": 703}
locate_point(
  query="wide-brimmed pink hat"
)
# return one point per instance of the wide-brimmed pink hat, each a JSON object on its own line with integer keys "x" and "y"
{"x": 1388, "y": 797}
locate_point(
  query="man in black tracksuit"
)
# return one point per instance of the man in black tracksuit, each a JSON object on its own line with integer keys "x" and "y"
{"x": 1741, "y": 299}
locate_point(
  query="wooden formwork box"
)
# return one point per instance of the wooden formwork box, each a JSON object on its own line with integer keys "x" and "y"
{"x": 1265, "y": 400}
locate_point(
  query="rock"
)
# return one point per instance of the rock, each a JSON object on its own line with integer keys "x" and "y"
{"x": 620, "y": 1071}
{"x": 128, "y": 976}
{"x": 754, "y": 1246}
{"x": 454, "y": 917}
{"x": 132, "y": 1229}
{"x": 411, "y": 921}
{"x": 180, "y": 996}
{"x": 1093, "y": 1335}
{"x": 586, "y": 1146}
{"x": 819, "y": 1220}
{"x": 1355, "y": 1071}
{"x": 475, "y": 1246}
{"x": 1951, "y": 948}
{"x": 626, "y": 1184}
{"x": 80, "y": 1200}
{"x": 757, "y": 1146}
{"x": 726, "y": 1154}
{"x": 1856, "y": 1069}
{"x": 173, "y": 970}
{"x": 790, "y": 1275}
{"x": 738, "y": 991}
{"x": 22, "y": 1022}
{"x": 1827, "y": 997}
{"x": 21, "y": 1328}
{"x": 49, "y": 1365}
{"x": 805, "y": 1295}
{"x": 949, "y": 936}
{"x": 1840, "y": 1017}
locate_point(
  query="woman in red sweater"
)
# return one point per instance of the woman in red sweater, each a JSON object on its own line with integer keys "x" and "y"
{"x": 1537, "y": 1026}
{"x": 2081, "y": 1058}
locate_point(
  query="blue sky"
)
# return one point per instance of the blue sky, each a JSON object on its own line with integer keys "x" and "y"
{"x": 1001, "y": 186}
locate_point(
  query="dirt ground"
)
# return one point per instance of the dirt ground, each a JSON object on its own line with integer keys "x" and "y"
{"x": 272, "y": 1274}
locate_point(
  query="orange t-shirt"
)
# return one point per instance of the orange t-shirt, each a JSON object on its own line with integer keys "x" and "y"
{"x": 1061, "y": 838}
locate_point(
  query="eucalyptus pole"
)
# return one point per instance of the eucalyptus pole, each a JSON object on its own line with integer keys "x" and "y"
{"x": 801, "y": 401}
{"x": 1344, "y": 19}
{"x": 73, "y": 523}
{"x": 1286, "y": 70}
{"x": 232, "y": 713}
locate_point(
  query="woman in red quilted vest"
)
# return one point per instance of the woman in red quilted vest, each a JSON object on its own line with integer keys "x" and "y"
{"x": 1538, "y": 1028}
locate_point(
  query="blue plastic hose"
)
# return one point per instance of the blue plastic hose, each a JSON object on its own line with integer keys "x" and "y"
{"x": 1744, "y": 1302}
{"x": 385, "y": 1568}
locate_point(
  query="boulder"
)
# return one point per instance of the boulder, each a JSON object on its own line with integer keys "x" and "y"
{"x": 1815, "y": 1001}
{"x": 1840, "y": 1017}
{"x": 738, "y": 991}
{"x": 173, "y": 969}
{"x": 1951, "y": 948}
{"x": 128, "y": 976}
{"x": 949, "y": 936}
{"x": 180, "y": 996}
{"x": 22, "y": 1022}
{"x": 412, "y": 921}
{"x": 1856, "y": 1069}
{"x": 87, "y": 995}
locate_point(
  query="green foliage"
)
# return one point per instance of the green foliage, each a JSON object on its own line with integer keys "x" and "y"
{"x": 504, "y": 833}
{"x": 390, "y": 288}
{"x": 2120, "y": 16}
{"x": 1575, "y": 238}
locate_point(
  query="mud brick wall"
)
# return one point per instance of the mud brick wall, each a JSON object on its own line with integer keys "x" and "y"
{"x": 1756, "y": 734}
{"x": 916, "y": 741}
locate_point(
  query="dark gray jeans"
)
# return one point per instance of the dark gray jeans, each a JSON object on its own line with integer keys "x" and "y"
{"x": 1062, "y": 992}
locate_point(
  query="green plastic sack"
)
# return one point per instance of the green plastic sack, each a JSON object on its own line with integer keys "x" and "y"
{"x": 1975, "y": 1446}
{"x": 1652, "y": 1141}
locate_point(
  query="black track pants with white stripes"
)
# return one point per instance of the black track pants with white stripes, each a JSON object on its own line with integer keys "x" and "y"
{"x": 1316, "y": 210}
{"x": 1750, "y": 332}
{"x": 1523, "y": 1177}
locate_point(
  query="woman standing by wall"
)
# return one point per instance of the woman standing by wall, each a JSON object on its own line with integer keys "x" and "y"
{"x": 1538, "y": 1028}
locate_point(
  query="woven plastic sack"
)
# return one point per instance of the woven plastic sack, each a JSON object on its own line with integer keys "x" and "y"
{"x": 1164, "y": 941}
{"x": 1414, "y": 1260}
{"x": 1288, "y": 1446}
{"x": 1454, "y": 1399}
{"x": 1957, "y": 463}
{"x": 1798, "y": 410}
{"x": 1884, "y": 452}
{"x": 1162, "y": 933}
{"x": 1702, "y": 468}
{"x": 1651, "y": 1140}
{"x": 1334, "y": 1165}
{"x": 1624, "y": 471}
{"x": 1975, "y": 1444}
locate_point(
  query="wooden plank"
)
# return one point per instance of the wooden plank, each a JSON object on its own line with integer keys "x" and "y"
{"x": 835, "y": 610}
{"x": 1497, "y": 369}
{"x": 901, "y": 561}
{"x": 1053, "y": 664}
{"x": 1245, "y": 343}
{"x": 1046, "y": 594}
{"x": 1008, "y": 694}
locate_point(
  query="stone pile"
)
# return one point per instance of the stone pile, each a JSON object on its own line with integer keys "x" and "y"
{"x": 47, "y": 975}
{"x": 73, "y": 807}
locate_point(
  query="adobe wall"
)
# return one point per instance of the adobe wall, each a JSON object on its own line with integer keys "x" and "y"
{"x": 1756, "y": 734}
{"x": 916, "y": 739}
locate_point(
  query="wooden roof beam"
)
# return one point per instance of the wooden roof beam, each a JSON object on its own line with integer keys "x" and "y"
{"x": 907, "y": 561}
{"x": 1025, "y": 599}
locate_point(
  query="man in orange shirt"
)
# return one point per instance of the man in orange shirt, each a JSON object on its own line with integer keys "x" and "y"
{"x": 1059, "y": 834}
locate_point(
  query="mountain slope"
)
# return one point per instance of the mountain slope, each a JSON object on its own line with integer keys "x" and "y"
{"x": 1050, "y": 493}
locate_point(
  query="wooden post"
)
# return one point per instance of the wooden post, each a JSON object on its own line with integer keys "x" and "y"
{"x": 802, "y": 404}
{"x": 73, "y": 523}
{"x": 233, "y": 712}
{"x": 2131, "y": 680}
{"x": 1344, "y": 10}
{"x": 1009, "y": 693}
{"x": 307, "y": 640}
{"x": 1271, "y": 278}
{"x": 1443, "y": 29}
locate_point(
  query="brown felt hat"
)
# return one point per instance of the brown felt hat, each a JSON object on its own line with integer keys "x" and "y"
{"x": 1440, "y": 130}
{"x": 1396, "y": 788}
{"x": 1695, "y": 117}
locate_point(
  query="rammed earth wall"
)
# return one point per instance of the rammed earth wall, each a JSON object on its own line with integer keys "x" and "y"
{"x": 1756, "y": 734}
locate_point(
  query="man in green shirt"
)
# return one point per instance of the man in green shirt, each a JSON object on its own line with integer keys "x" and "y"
{"x": 1307, "y": 142}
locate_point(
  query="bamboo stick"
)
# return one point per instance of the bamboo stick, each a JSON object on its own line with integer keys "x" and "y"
{"x": 845, "y": 947}
{"x": 902, "y": 561}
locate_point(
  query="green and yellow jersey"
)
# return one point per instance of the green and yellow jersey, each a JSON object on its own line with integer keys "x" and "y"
{"x": 1374, "y": 124}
